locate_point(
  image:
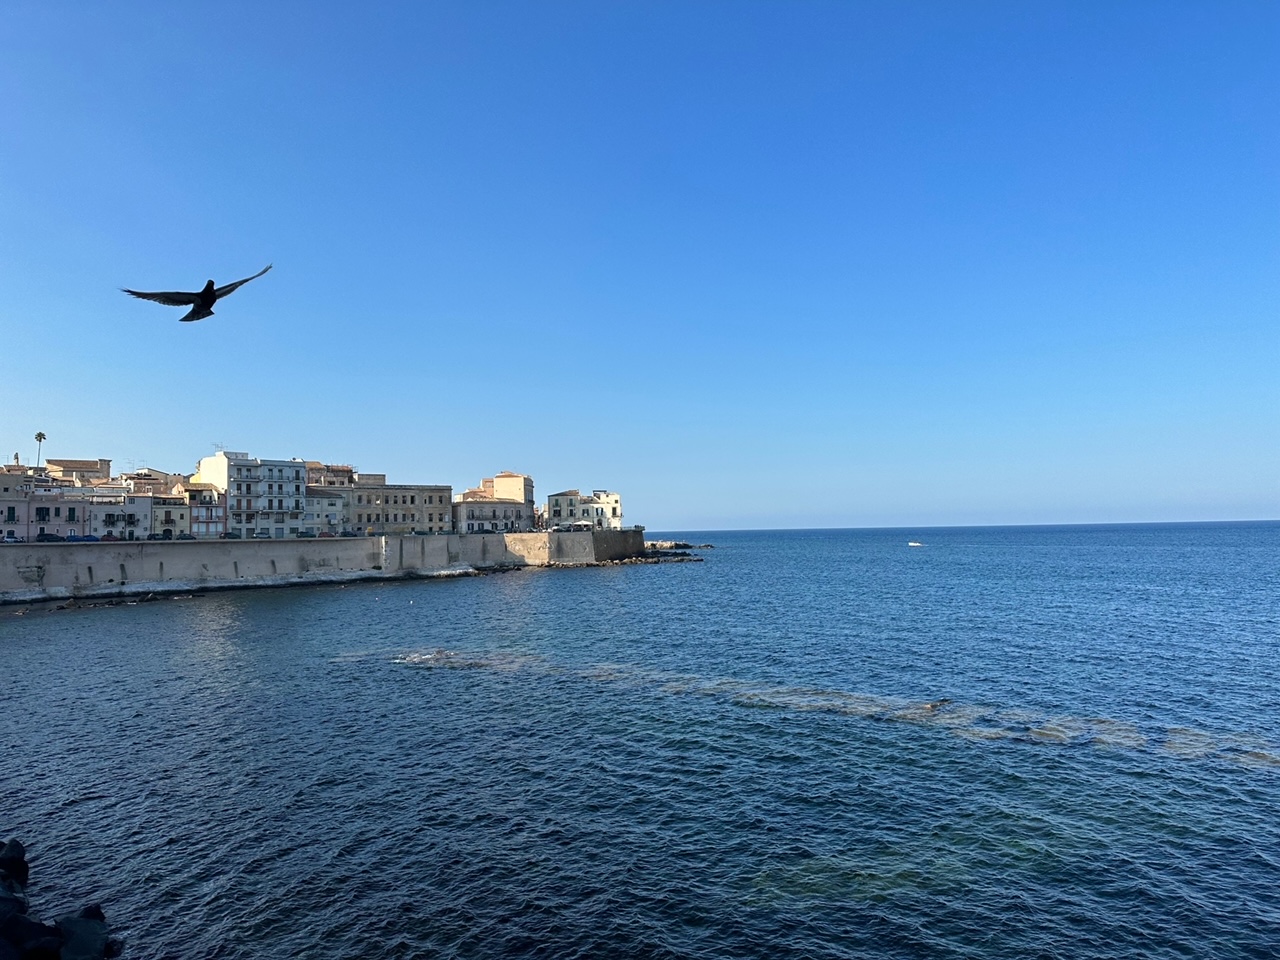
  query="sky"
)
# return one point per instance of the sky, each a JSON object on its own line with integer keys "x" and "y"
{"x": 750, "y": 264}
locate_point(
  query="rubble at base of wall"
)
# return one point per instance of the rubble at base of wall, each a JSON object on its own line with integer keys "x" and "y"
{"x": 82, "y": 935}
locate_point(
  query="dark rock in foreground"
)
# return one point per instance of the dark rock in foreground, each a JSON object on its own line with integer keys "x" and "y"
{"x": 74, "y": 936}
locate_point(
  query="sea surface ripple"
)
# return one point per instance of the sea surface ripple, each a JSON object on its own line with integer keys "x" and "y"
{"x": 1004, "y": 743}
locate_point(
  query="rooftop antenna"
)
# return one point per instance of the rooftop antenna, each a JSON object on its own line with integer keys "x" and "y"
{"x": 218, "y": 447}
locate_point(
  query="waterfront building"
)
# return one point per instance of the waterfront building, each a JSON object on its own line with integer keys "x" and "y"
{"x": 207, "y": 507}
{"x": 15, "y": 496}
{"x": 264, "y": 497}
{"x": 397, "y": 509}
{"x": 327, "y": 510}
{"x": 501, "y": 503}
{"x": 599, "y": 509}
{"x": 166, "y": 514}
{"x": 33, "y": 503}
{"x": 106, "y": 514}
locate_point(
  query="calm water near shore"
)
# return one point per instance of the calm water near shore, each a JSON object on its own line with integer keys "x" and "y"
{"x": 1005, "y": 743}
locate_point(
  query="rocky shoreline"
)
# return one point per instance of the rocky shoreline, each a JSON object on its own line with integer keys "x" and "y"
{"x": 676, "y": 545}
{"x": 74, "y": 936}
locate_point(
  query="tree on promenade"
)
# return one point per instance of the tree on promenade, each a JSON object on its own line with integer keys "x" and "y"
{"x": 40, "y": 439}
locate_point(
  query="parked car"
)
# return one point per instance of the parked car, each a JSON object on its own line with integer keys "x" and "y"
{"x": 229, "y": 535}
{"x": 262, "y": 535}
{"x": 348, "y": 533}
{"x": 305, "y": 535}
{"x": 49, "y": 538}
{"x": 10, "y": 538}
{"x": 109, "y": 536}
{"x": 186, "y": 536}
{"x": 88, "y": 538}
{"x": 327, "y": 535}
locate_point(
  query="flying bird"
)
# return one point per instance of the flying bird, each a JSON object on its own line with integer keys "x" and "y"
{"x": 201, "y": 303}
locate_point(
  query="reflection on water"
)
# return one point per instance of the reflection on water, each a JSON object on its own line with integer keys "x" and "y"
{"x": 976, "y": 722}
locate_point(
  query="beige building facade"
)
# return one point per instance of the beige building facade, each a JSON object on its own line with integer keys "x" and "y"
{"x": 502, "y": 503}
{"x": 395, "y": 509}
{"x": 208, "y": 509}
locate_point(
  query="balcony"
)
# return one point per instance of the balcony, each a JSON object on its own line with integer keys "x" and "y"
{"x": 169, "y": 523}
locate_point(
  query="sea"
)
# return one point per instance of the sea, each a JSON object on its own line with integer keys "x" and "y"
{"x": 1005, "y": 742}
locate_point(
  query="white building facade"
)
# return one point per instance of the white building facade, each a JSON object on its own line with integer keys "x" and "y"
{"x": 265, "y": 498}
{"x": 572, "y": 509}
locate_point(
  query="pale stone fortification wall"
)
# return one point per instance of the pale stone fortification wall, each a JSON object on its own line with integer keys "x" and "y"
{"x": 51, "y": 571}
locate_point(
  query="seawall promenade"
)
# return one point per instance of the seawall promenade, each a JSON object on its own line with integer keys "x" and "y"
{"x": 34, "y": 572}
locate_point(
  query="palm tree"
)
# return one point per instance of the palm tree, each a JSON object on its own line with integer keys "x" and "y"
{"x": 40, "y": 439}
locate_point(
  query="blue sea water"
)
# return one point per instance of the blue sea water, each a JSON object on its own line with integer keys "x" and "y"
{"x": 1004, "y": 743}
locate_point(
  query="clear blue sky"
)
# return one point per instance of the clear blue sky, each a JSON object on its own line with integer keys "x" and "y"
{"x": 751, "y": 264}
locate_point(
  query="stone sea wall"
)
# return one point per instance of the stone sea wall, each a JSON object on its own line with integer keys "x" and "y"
{"x": 33, "y": 572}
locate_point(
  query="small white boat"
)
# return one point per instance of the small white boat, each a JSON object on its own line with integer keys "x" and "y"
{"x": 914, "y": 543}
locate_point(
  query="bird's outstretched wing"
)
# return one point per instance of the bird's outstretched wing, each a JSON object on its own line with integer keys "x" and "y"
{"x": 220, "y": 292}
{"x": 171, "y": 298}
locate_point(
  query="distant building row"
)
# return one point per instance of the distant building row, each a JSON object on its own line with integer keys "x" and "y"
{"x": 233, "y": 495}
